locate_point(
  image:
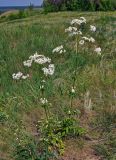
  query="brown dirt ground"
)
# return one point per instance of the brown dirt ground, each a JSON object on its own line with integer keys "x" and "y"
{"x": 73, "y": 152}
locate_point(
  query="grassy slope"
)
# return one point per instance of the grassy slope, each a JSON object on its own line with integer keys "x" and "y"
{"x": 21, "y": 38}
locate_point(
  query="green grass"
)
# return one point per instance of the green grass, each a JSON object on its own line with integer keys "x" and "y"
{"x": 19, "y": 100}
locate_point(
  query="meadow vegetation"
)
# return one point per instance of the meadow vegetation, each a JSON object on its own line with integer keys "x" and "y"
{"x": 42, "y": 116}
{"x": 20, "y": 14}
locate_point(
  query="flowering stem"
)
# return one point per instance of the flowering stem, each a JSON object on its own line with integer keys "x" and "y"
{"x": 76, "y": 46}
{"x": 74, "y": 78}
{"x": 71, "y": 102}
{"x": 46, "y": 112}
{"x": 46, "y": 157}
{"x": 76, "y": 51}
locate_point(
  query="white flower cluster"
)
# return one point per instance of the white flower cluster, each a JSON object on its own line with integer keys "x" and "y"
{"x": 92, "y": 28}
{"x": 59, "y": 49}
{"x": 78, "y": 21}
{"x": 40, "y": 59}
{"x": 25, "y": 76}
{"x": 91, "y": 39}
{"x": 42, "y": 84}
{"x": 42, "y": 87}
{"x": 73, "y": 31}
{"x": 98, "y": 50}
{"x": 72, "y": 90}
{"x": 43, "y": 81}
{"x": 43, "y": 101}
{"x": 33, "y": 57}
{"x": 19, "y": 75}
{"x": 50, "y": 70}
{"x": 81, "y": 42}
{"x": 27, "y": 63}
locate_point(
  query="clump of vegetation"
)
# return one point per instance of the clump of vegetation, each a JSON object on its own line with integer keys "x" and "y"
{"x": 55, "y": 128}
{"x": 79, "y": 5}
{"x": 20, "y": 14}
{"x": 3, "y": 117}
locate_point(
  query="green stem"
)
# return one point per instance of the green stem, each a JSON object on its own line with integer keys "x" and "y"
{"x": 71, "y": 102}
{"x": 76, "y": 46}
{"x": 76, "y": 50}
{"x": 46, "y": 152}
{"x": 46, "y": 112}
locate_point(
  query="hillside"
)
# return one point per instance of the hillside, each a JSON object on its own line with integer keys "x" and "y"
{"x": 94, "y": 84}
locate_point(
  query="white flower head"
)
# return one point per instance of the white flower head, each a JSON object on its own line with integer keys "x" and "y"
{"x": 40, "y": 59}
{"x": 92, "y": 28}
{"x": 17, "y": 76}
{"x": 71, "y": 29}
{"x": 81, "y": 42}
{"x": 43, "y": 81}
{"x": 86, "y": 38}
{"x": 42, "y": 87}
{"x": 25, "y": 76}
{"x": 27, "y": 63}
{"x": 78, "y": 21}
{"x": 91, "y": 39}
{"x": 83, "y": 19}
{"x": 33, "y": 57}
{"x": 79, "y": 32}
{"x": 98, "y": 50}
{"x": 69, "y": 112}
{"x": 50, "y": 70}
{"x": 72, "y": 90}
{"x": 43, "y": 101}
{"x": 59, "y": 49}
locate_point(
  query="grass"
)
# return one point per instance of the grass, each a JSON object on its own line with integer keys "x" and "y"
{"x": 19, "y": 101}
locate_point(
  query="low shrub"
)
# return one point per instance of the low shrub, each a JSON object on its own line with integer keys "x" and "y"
{"x": 19, "y": 15}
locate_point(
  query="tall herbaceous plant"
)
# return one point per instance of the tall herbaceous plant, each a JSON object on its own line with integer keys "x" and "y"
{"x": 53, "y": 129}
